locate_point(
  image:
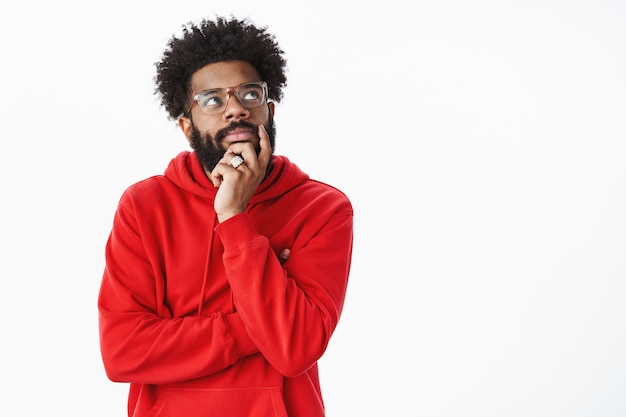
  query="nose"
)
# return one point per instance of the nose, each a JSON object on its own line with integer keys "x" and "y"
{"x": 234, "y": 109}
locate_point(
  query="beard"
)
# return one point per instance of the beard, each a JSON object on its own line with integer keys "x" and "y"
{"x": 210, "y": 152}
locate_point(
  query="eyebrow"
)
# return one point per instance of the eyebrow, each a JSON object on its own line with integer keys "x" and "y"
{"x": 227, "y": 88}
{"x": 210, "y": 90}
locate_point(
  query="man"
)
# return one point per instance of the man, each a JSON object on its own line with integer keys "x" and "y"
{"x": 225, "y": 277}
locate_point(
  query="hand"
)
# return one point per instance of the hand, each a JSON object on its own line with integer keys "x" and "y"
{"x": 237, "y": 185}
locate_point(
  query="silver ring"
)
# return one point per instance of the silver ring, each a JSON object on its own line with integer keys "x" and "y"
{"x": 236, "y": 161}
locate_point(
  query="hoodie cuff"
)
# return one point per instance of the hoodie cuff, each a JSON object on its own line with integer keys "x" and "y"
{"x": 243, "y": 343}
{"x": 236, "y": 230}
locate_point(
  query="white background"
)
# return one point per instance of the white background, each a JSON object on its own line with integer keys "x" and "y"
{"x": 482, "y": 144}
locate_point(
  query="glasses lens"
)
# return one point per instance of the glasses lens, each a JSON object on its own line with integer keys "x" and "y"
{"x": 212, "y": 101}
{"x": 251, "y": 94}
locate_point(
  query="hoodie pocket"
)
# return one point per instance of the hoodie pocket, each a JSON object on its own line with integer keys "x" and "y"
{"x": 242, "y": 402}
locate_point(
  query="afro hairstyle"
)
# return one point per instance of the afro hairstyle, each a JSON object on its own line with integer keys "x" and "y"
{"x": 216, "y": 41}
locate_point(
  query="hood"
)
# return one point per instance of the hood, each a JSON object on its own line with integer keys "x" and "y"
{"x": 186, "y": 172}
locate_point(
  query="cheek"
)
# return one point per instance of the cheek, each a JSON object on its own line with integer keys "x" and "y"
{"x": 267, "y": 111}
{"x": 205, "y": 126}
{"x": 206, "y": 129}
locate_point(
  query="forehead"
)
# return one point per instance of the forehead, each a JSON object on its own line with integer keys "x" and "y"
{"x": 223, "y": 74}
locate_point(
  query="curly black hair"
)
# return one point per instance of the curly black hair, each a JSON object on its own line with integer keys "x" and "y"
{"x": 216, "y": 41}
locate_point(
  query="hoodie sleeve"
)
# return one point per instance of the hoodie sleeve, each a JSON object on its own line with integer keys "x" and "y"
{"x": 140, "y": 340}
{"x": 291, "y": 310}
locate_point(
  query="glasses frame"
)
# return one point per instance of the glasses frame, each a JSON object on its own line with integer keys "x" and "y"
{"x": 230, "y": 91}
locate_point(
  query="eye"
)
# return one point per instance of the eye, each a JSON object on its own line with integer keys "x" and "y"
{"x": 251, "y": 94}
{"x": 210, "y": 99}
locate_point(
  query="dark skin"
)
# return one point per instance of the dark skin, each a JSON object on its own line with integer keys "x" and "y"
{"x": 235, "y": 185}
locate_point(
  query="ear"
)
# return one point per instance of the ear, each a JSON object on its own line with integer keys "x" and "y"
{"x": 185, "y": 125}
{"x": 270, "y": 106}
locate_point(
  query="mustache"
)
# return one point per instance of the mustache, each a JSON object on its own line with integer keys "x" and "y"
{"x": 235, "y": 125}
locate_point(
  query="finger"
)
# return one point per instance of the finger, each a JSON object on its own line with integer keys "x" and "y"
{"x": 244, "y": 149}
{"x": 217, "y": 175}
{"x": 284, "y": 255}
{"x": 266, "y": 147}
{"x": 236, "y": 161}
{"x": 264, "y": 142}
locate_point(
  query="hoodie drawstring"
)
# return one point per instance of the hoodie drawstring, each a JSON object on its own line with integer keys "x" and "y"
{"x": 206, "y": 267}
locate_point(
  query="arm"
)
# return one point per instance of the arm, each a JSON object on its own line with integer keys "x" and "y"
{"x": 290, "y": 313}
{"x": 140, "y": 340}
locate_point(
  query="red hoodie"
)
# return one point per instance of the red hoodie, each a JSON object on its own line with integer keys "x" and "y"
{"x": 201, "y": 317}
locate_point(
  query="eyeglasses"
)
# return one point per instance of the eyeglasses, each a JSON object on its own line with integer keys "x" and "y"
{"x": 215, "y": 101}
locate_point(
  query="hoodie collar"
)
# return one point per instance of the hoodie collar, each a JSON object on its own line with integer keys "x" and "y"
{"x": 186, "y": 172}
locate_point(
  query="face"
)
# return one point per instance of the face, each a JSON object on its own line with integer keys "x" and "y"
{"x": 211, "y": 135}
